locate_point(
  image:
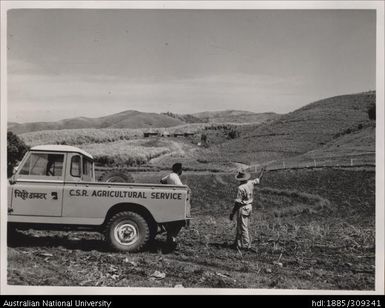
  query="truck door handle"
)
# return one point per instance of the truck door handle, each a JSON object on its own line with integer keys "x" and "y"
{"x": 10, "y": 211}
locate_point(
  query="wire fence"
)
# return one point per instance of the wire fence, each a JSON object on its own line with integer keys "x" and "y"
{"x": 351, "y": 161}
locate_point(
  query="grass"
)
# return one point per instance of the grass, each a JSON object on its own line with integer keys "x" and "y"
{"x": 101, "y": 135}
{"x": 79, "y": 136}
{"x": 292, "y": 202}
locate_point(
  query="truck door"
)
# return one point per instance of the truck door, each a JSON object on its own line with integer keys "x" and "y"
{"x": 38, "y": 187}
{"x": 76, "y": 199}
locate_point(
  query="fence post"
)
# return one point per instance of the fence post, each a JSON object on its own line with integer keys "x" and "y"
{"x": 315, "y": 163}
{"x": 351, "y": 162}
{"x": 284, "y": 165}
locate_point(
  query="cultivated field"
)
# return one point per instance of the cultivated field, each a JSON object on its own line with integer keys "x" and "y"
{"x": 128, "y": 148}
{"x": 313, "y": 229}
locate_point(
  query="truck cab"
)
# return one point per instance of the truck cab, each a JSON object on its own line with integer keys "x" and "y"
{"x": 38, "y": 183}
{"x": 54, "y": 187}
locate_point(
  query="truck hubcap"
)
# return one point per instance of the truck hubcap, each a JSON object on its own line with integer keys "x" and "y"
{"x": 126, "y": 233}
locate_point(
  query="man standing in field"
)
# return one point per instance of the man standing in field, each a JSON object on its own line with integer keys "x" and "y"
{"x": 173, "y": 228}
{"x": 243, "y": 207}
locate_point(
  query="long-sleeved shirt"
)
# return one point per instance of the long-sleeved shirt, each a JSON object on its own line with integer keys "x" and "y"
{"x": 172, "y": 179}
{"x": 245, "y": 192}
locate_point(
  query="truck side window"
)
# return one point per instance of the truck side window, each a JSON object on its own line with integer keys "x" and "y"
{"x": 75, "y": 166}
{"x": 41, "y": 164}
{"x": 87, "y": 169}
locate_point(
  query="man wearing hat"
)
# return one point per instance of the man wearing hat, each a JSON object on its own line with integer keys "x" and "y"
{"x": 243, "y": 207}
{"x": 173, "y": 228}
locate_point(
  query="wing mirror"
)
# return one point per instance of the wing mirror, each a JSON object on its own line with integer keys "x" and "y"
{"x": 12, "y": 180}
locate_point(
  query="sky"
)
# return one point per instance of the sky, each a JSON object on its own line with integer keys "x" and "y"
{"x": 65, "y": 63}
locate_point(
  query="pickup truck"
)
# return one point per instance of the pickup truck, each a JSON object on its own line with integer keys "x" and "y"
{"x": 54, "y": 187}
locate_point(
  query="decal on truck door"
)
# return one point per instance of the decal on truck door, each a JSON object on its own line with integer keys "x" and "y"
{"x": 125, "y": 194}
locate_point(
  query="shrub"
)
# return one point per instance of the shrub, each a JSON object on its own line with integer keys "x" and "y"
{"x": 16, "y": 149}
{"x": 372, "y": 111}
{"x": 233, "y": 134}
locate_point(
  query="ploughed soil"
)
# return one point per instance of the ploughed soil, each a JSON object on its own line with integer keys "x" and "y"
{"x": 311, "y": 229}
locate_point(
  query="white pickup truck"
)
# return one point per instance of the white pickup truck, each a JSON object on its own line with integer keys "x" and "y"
{"x": 54, "y": 187}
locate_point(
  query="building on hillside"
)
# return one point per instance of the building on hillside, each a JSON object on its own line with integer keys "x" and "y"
{"x": 165, "y": 134}
{"x": 150, "y": 134}
{"x": 178, "y": 134}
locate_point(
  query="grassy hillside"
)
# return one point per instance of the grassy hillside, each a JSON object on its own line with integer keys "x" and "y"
{"x": 353, "y": 148}
{"x": 298, "y": 132}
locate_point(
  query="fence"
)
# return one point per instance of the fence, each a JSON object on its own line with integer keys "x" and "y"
{"x": 356, "y": 160}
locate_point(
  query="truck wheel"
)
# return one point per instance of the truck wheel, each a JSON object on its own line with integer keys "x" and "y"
{"x": 116, "y": 177}
{"x": 127, "y": 231}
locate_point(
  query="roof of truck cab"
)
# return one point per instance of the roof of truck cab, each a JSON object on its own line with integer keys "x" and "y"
{"x": 60, "y": 148}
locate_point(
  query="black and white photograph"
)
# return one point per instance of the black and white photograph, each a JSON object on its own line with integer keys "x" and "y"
{"x": 192, "y": 148}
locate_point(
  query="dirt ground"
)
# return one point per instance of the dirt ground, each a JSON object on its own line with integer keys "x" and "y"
{"x": 311, "y": 229}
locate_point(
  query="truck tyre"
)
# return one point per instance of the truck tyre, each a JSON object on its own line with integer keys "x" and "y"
{"x": 127, "y": 231}
{"x": 116, "y": 177}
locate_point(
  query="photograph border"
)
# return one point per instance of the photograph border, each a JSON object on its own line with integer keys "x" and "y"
{"x": 199, "y": 5}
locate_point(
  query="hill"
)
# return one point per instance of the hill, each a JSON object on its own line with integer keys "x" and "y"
{"x": 235, "y": 116}
{"x": 308, "y": 128}
{"x": 126, "y": 119}
{"x": 352, "y": 148}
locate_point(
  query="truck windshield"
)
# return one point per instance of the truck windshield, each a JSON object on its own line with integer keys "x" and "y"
{"x": 42, "y": 164}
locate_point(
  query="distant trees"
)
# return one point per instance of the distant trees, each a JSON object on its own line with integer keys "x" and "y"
{"x": 233, "y": 134}
{"x": 204, "y": 139}
{"x": 188, "y": 118}
{"x": 16, "y": 149}
{"x": 372, "y": 111}
{"x": 170, "y": 114}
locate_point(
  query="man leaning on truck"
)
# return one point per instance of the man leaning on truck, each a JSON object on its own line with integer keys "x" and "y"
{"x": 173, "y": 178}
{"x": 173, "y": 228}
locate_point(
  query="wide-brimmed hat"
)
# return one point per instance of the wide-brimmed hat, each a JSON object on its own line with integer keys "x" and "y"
{"x": 242, "y": 176}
